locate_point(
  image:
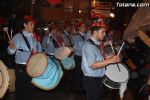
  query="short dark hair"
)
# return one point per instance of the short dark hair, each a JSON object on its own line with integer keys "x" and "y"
{"x": 95, "y": 28}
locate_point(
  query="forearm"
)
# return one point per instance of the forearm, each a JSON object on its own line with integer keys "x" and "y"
{"x": 100, "y": 64}
{"x": 11, "y": 51}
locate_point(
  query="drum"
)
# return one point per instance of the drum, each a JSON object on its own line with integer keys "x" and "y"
{"x": 12, "y": 80}
{"x": 62, "y": 52}
{"x": 37, "y": 64}
{"x": 65, "y": 55}
{"x": 68, "y": 63}
{"x": 4, "y": 79}
{"x": 51, "y": 76}
{"x": 116, "y": 75}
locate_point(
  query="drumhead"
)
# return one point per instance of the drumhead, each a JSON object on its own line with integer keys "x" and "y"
{"x": 4, "y": 79}
{"x": 37, "y": 64}
{"x": 62, "y": 52}
{"x": 116, "y": 75}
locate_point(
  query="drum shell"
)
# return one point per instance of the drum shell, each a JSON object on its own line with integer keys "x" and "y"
{"x": 68, "y": 63}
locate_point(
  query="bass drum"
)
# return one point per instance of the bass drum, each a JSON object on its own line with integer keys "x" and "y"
{"x": 51, "y": 77}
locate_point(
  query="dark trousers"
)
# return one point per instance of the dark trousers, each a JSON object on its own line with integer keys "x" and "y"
{"x": 93, "y": 87}
{"x": 24, "y": 88}
{"x": 78, "y": 73}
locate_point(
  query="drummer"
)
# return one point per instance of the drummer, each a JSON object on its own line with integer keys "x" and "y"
{"x": 78, "y": 41}
{"x": 93, "y": 64}
{"x": 49, "y": 43}
{"x": 22, "y": 45}
{"x": 66, "y": 34}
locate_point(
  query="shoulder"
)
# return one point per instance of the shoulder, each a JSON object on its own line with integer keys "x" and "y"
{"x": 17, "y": 36}
{"x": 87, "y": 47}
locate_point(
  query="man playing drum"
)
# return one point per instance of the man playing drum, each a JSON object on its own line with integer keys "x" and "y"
{"x": 22, "y": 45}
{"x": 93, "y": 64}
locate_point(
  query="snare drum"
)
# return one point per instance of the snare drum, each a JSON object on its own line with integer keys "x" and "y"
{"x": 51, "y": 76}
{"x": 114, "y": 76}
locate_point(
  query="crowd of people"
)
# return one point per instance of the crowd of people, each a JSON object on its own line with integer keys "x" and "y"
{"x": 87, "y": 42}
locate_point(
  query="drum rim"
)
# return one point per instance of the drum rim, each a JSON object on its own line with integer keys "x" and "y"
{"x": 59, "y": 49}
{"x": 109, "y": 86}
{"x": 28, "y": 63}
{"x": 5, "y": 80}
{"x": 127, "y": 71}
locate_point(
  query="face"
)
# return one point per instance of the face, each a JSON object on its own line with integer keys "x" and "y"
{"x": 101, "y": 34}
{"x": 82, "y": 28}
{"x": 68, "y": 29}
{"x": 53, "y": 31}
{"x": 29, "y": 26}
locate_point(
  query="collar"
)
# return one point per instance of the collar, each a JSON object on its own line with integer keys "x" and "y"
{"x": 26, "y": 34}
{"x": 95, "y": 41}
{"x": 83, "y": 34}
{"x": 66, "y": 32}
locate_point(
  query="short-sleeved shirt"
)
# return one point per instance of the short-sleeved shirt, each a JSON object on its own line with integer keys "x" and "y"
{"x": 91, "y": 54}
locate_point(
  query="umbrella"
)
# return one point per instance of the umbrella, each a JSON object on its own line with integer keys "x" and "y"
{"x": 139, "y": 21}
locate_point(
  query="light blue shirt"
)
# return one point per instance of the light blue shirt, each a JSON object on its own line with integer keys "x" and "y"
{"x": 78, "y": 42}
{"x": 50, "y": 49}
{"x": 88, "y": 35}
{"x": 21, "y": 57}
{"x": 65, "y": 38}
{"x": 91, "y": 54}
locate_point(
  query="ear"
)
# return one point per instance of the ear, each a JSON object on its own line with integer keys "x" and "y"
{"x": 24, "y": 25}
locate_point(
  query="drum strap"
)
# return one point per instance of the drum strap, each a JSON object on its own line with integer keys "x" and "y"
{"x": 26, "y": 41}
{"x": 81, "y": 36}
{"x": 91, "y": 42}
{"x": 54, "y": 42}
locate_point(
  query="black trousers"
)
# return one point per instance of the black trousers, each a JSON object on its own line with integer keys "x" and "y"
{"x": 93, "y": 87}
{"x": 78, "y": 73}
{"x": 24, "y": 88}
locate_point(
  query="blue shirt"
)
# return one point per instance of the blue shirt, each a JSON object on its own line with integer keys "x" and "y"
{"x": 91, "y": 54}
{"x": 50, "y": 49}
{"x": 77, "y": 42}
{"x": 65, "y": 37}
{"x": 21, "y": 57}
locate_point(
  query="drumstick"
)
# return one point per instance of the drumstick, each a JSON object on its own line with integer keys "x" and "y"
{"x": 112, "y": 47}
{"x": 6, "y": 30}
{"x": 114, "y": 53}
{"x": 120, "y": 48}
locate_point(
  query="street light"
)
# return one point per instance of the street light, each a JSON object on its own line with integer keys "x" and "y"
{"x": 112, "y": 15}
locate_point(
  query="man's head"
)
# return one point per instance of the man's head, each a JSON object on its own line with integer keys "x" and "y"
{"x": 98, "y": 32}
{"x": 81, "y": 27}
{"x": 68, "y": 26}
{"x": 28, "y": 23}
{"x": 52, "y": 29}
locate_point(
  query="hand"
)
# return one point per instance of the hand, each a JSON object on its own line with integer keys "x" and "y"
{"x": 110, "y": 56}
{"x": 115, "y": 59}
{"x": 11, "y": 45}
